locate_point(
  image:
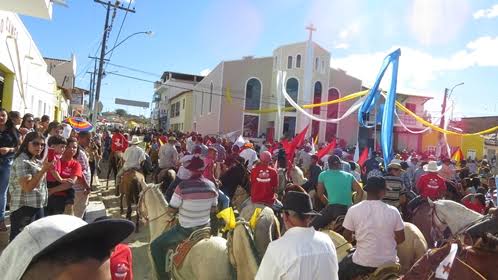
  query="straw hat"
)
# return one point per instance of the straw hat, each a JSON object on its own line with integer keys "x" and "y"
{"x": 432, "y": 167}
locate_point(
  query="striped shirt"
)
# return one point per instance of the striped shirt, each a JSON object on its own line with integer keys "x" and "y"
{"x": 194, "y": 199}
{"x": 395, "y": 188}
{"x": 24, "y": 167}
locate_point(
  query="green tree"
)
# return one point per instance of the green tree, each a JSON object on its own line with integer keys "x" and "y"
{"x": 121, "y": 112}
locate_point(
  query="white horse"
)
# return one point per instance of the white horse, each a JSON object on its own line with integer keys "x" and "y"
{"x": 451, "y": 214}
{"x": 208, "y": 259}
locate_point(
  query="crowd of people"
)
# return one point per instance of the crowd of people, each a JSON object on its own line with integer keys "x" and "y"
{"x": 45, "y": 171}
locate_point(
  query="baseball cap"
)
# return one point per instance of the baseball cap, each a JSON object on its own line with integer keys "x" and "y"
{"x": 48, "y": 234}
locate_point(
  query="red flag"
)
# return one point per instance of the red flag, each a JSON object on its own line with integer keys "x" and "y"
{"x": 296, "y": 142}
{"x": 363, "y": 156}
{"x": 325, "y": 150}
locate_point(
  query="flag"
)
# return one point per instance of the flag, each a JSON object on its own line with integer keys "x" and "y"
{"x": 325, "y": 150}
{"x": 457, "y": 155}
{"x": 228, "y": 94}
{"x": 296, "y": 142}
{"x": 363, "y": 156}
{"x": 240, "y": 141}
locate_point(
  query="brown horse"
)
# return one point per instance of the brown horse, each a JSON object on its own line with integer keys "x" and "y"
{"x": 116, "y": 161}
{"x": 132, "y": 184}
{"x": 469, "y": 264}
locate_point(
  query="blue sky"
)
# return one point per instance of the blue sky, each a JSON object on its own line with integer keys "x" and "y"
{"x": 443, "y": 42}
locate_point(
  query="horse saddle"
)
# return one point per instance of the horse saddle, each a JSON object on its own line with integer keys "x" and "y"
{"x": 184, "y": 247}
{"x": 385, "y": 270}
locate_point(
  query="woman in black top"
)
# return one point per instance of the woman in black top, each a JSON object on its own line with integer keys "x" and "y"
{"x": 9, "y": 140}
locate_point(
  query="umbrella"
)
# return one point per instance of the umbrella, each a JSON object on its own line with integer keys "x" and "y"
{"x": 79, "y": 124}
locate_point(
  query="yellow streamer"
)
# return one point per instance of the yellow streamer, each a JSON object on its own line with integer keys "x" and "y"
{"x": 398, "y": 105}
{"x": 309, "y": 106}
{"x": 228, "y": 94}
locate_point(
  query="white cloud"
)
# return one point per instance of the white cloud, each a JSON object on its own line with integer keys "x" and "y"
{"x": 487, "y": 13}
{"x": 350, "y": 30}
{"x": 437, "y": 21}
{"x": 205, "y": 72}
{"x": 342, "y": 46}
{"x": 418, "y": 68}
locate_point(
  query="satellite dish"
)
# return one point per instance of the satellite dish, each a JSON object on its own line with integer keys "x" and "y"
{"x": 60, "y": 3}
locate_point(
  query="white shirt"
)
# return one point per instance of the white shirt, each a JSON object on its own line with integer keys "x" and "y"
{"x": 302, "y": 253}
{"x": 168, "y": 156}
{"x": 133, "y": 157}
{"x": 374, "y": 223}
{"x": 249, "y": 155}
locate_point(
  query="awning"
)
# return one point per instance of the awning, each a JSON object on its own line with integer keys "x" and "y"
{"x": 35, "y": 8}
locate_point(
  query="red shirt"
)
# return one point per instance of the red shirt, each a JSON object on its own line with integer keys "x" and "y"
{"x": 264, "y": 183}
{"x": 68, "y": 169}
{"x": 121, "y": 263}
{"x": 432, "y": 186}
{"x": 475, "y": 205}
{"x": 119, "y": 143}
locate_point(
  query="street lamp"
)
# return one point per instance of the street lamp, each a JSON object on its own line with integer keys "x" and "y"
{"x": 148, "y": 33}
{"x": 451, "y": 91}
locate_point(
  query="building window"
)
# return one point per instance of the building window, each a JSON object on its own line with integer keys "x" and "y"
{"x": 210, "y": 97}
{"x": 332, "y": 113}
{"x": 323, "y": 65}
{"x": 316, "y": 64}
{"x": 253, "y": 94}
{"x": 298, "y": 61}
{"x": 183, "y": 107}
{"x": 275, "y": 62}
{"x": 292, "y": 88}
{"x": 251, "y": 124}
{"x": 317, "y": 97}
{"x": 202, "y": 102}
{"x": 289, "y": 62}
{"x": 412, "y": 107}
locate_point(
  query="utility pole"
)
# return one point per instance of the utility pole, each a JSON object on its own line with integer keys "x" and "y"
{"x": 103, "y": 50}
{"x": 443, "y": 106}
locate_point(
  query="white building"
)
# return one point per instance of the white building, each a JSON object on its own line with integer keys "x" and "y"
{"x": 25, "y": 85}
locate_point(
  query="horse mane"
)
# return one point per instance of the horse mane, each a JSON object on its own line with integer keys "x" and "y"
{"x": 456, "y": 215}
{"x": 156, "y": 189}
{"x": 242, "y": 249}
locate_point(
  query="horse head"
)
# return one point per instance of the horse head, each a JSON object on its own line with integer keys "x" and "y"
{"x": 448, "y": 213}
{"x": 237, "y": 175}
{"x": 153, "y": 208}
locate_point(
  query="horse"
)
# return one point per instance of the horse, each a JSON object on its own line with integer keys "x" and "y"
{"x": 242, "y": 251}
{"x": 267, "y": 226}
{"x": 131, "y": 185}
{"x": 450, "y": 214}
{"x": 206, "y": 260}
{"x": 412, "y": 249}
{"x": 469, "y": 263}
{"x": 237, "y": 175}
{"x": 116, "y": 161}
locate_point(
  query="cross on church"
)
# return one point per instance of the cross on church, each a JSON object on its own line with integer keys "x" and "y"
{"x": 311, "y": 28}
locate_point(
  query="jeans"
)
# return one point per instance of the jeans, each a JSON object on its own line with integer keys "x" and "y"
{"x": 168, "y": 241}
{"x": 23, "y": 217}
{"x": 349, "y": 270}
{"x": 5, "y": 166}
{"x": 329, "y": 214}
{"x": 223, "y": 200}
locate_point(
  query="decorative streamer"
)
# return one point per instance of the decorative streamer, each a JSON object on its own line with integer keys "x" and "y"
{"x": 351, "y": 109}
{"x": 386, "y": 133}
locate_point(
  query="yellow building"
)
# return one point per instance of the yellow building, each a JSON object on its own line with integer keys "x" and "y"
{"x": 472, "y": 146}
{"x": 180, "y": 111}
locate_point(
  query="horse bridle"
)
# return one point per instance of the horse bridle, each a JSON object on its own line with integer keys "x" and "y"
{"x": 141, "y": 203}
{"x": 433, "y": 223}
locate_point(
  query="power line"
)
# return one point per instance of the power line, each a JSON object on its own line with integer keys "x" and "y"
{"x": 120, "y": 28}
{"x": 134, "y": 69}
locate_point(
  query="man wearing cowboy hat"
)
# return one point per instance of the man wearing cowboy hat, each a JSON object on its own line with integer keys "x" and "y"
{"x": 395, "y": 194}
{"x": 431, "y": 185}
{"x": 302, "y": 253}
{"x": 133, "y": 158}
{"x": 168, "y": 155}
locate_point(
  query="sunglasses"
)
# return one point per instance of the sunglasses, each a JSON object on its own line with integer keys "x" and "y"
{"x": 38, "y": 144}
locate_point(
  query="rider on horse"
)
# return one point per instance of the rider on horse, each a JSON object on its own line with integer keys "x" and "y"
{"x": 133, "y": 158}
{"x": 264, "y": 182}
{"x": 378, "y": 228}
{"x": 119, "y": 142}
{"x": 194, "y": 200}
{"x": 168, "y": 157}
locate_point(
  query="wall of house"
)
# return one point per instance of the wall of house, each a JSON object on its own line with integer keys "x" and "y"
{"x": 348, "y": 128}
{"x": 466, "y": 143}
{"x": 207, "y": 103}
{"x": 62, "y": 71}
{"x": 183, "y": 121}
{"x": 27, "y": 86}
{"x": 236, "y": 74}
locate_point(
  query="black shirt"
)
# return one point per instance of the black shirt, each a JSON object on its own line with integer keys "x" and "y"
{"x": 8, "y": 138}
